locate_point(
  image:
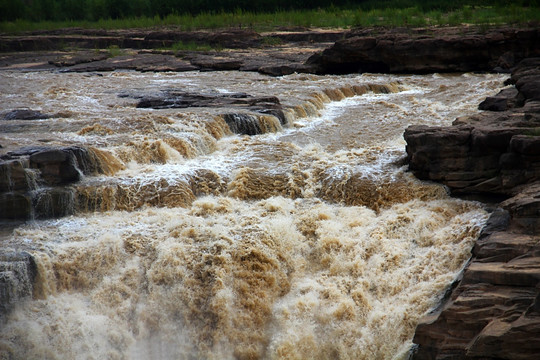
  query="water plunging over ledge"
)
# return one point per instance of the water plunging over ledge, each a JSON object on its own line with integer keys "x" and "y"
{"x": 307, "y": 240}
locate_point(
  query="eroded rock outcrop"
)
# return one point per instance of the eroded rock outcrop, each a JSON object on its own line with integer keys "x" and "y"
{"x": 35, "y": 181}
{"x": 494, "y": 310}
{"x": 256, "y": 115}
{"x": 421, "y": 52}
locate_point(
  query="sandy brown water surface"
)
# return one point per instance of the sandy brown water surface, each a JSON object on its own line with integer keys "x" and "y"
{"x": 310, "y": 241}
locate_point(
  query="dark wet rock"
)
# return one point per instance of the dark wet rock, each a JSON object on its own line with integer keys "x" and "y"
{"x": 239, "y": 122}
{"x": 34, "y": 181}
{"x": 245, "y": 124}
{"x": 527, "y": 67}
{"x": 14, "y": 175}
{"x": 504, "y": 100}
{"x": 179, "y": 99}
{"x": 25, "y": 114}
{"x": 57, "y": 166}
{"x": 18, "y": 271}
{"x": 493, "y": 311}
{"x": 217, "y": 63}
{"x": 280, "y": 70}
{"x": 529, "y": 87}
{"x": 15, "y": 205}
{"x": 419, "y": 53}
{"x": 53, "y": 202}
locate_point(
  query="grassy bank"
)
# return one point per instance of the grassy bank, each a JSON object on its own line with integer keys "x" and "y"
{"x": 322, "y": 18}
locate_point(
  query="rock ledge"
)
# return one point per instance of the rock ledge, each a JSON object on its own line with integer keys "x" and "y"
{"x": 494, "y": 310}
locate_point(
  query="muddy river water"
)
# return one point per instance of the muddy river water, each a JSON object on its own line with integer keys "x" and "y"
{"x": 309, "y": 241}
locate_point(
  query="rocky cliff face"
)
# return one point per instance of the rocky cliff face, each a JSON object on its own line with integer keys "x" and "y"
{"x": 494, "y": 310}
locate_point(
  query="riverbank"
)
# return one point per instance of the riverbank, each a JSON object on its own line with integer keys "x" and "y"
{"x": 320, "y": 51}
{"x": 493, "y": 311}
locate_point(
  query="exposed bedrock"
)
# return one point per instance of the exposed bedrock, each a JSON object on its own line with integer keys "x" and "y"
{"x": 493, "y": 152}
{"x": 34, "y": 181}
{"x": 494, "y": 310}
{"x": 406, "y": 52}
{"x": 265, "y": 113}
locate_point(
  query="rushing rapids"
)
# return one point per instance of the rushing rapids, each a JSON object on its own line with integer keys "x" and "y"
{"x": 304, "y": 238}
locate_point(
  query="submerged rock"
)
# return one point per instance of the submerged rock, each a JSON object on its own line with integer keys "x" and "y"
{"x": 18, "y": 271}
{"x": 25, "y": 114}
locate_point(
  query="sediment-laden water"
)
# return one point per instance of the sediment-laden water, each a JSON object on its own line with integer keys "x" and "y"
{"x": 307, "y": 241}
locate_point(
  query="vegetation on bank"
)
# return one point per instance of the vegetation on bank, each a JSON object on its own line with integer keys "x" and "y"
{"x": 259, "y": 15}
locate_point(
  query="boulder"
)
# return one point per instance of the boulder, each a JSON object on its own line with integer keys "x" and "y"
{"x": 57, "y": 166}
{"x": 504, "y": 100}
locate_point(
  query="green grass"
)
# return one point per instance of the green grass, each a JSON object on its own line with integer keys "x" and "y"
{"x": 533, "y": 132}
{"x": 331, "y": 18}
{"x": 114, "y": 51}
{"x": 193, "y": 46}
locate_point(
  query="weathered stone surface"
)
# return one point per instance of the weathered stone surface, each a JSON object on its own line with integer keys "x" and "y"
{"x": 57, "y": 166}
{"x": 236, "y": 49}
{"x": 231, "y": 38}
{"x": 280, "y": 70}
{"x": 447, "y": 334}
{"x": 180, "y": 99}
{"x": 499, "y": 338}
{"x": 34, "y": 180}
{"x": 140, "y": 62}
{"x": 216, "y": 63}
{"x": 504, "y": 100}
{"x": 397, "y": 53}
{"x": 15, "y": 205}
{"x": 488, "y": 154}
{"x": 493, "y": 313}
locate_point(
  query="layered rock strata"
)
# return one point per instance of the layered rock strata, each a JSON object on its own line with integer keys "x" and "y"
{"x": 74, "y": 50}
{"x": 493, "y": 311}
{"x": 422, "y": 50}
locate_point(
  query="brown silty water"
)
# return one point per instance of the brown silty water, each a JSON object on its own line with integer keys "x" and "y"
{"x": 309, "y": 241}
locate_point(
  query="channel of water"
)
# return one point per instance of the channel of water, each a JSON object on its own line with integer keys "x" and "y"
{"x": 309, "y": 241}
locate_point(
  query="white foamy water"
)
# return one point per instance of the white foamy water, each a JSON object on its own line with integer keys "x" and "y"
{"x": 310, "y": 242}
